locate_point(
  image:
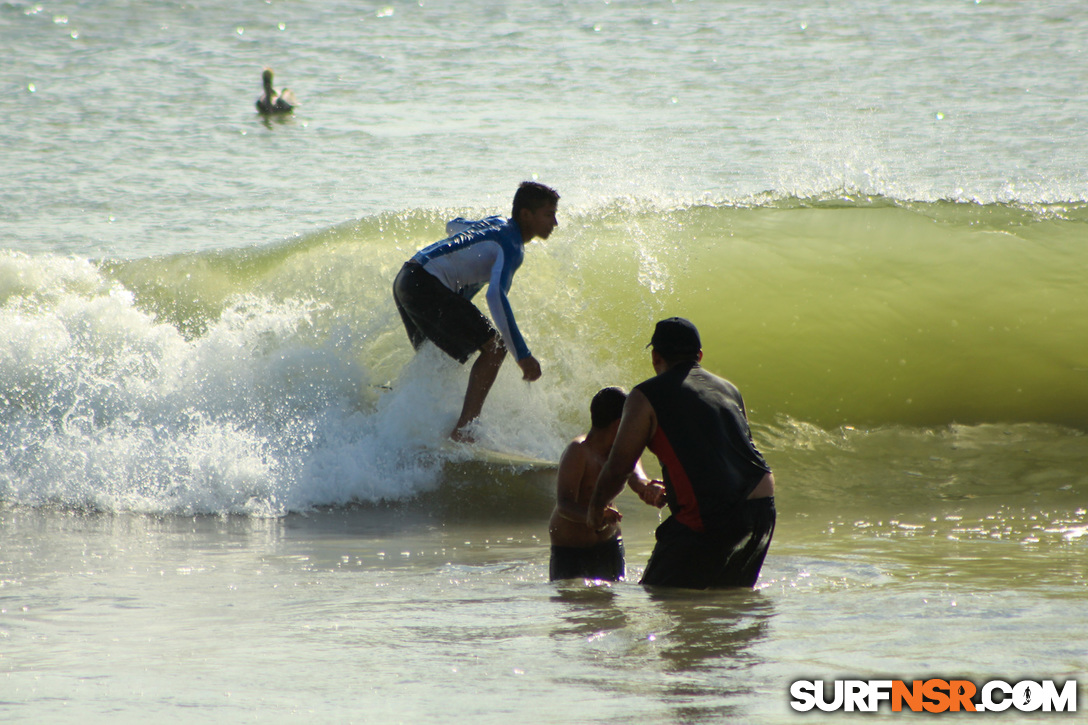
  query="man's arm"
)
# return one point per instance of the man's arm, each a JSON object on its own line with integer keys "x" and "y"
{"x": 651, "y": 492}
{"x": 637, "y": 426}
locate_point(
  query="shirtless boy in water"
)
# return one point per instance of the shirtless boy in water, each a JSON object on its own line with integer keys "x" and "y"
{"x": 577, "y": 550}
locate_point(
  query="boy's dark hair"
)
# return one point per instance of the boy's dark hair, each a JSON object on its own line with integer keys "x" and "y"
{"x": 606, "y": 406}
{"x": 531, "y": 195}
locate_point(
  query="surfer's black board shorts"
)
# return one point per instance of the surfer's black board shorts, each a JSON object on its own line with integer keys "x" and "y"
{"x": 601, "y": 561}
{"x": 431, "y": 311}
{"x": 728, "y": 556}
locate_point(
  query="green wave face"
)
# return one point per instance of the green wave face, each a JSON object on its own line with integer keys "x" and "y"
{"x": 837, "y": 311}
{"x": 883, "y": 348}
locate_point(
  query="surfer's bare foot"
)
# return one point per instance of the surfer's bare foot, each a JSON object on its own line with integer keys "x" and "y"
{"x": 460, "y": 435}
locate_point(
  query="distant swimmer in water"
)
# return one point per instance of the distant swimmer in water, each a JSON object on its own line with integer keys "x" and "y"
{"x": 271, "y": 102}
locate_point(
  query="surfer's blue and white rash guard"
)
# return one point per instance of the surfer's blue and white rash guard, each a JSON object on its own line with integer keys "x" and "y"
{"x": 476, "y": 253}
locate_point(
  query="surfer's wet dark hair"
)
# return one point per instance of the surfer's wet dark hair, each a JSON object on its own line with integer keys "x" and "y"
{"x": 532, "y": 195}
{"x": 606, "y": 406}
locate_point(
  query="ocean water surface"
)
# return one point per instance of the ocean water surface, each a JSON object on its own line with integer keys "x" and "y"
{"x": 224, "y": 494}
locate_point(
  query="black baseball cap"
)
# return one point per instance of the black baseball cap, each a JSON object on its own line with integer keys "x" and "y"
{"x": 676, "y": 336}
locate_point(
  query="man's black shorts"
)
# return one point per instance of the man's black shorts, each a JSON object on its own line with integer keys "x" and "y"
{"x": 730, "y": 556}
{"x": 601, "y": 561}
{"x": 431, "y": 311}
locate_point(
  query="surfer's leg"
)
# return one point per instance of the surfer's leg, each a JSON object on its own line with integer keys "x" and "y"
{"x": 415, "y": 335}
{"x": 403, "y": 290}
{"x": 480, "y": 379}
{"x": 431, "y": 311}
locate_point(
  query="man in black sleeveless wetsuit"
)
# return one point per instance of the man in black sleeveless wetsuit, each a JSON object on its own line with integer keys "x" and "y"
{"x": 719, "y": 489}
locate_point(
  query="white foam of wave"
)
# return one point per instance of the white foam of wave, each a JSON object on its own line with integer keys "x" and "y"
{"x": 106, "y": 408}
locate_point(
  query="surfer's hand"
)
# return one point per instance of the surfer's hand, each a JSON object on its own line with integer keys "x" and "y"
{"x": 530, "y": 368}
{"x": 611, "y": 516}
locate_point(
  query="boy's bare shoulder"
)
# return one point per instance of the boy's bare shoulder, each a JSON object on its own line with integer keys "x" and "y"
{"x": 575, "y": 449}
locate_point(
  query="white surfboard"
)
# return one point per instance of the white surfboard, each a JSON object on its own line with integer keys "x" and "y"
{"x": 511, "y": 458}
{"x": 477, "y": 452}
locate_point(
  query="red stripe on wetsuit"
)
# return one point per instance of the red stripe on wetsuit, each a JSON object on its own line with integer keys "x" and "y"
{"x": 687, "y": 505}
